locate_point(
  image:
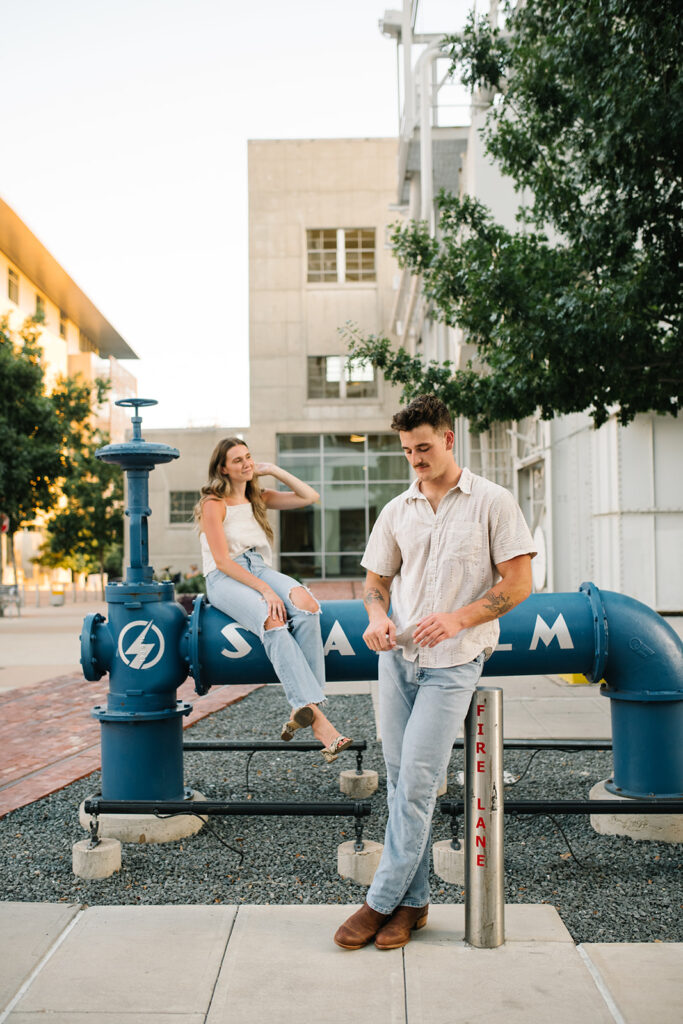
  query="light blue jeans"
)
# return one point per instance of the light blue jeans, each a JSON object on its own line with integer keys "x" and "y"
{"x": 296, "y": 649}
{"x": 421, "y": 711}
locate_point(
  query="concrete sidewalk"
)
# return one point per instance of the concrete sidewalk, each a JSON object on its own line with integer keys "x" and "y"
{"x": 275, "y": 964}
{"x": 74, "y": 964}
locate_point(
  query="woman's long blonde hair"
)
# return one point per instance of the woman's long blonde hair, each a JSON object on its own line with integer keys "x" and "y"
{"x": 219, "y": 486}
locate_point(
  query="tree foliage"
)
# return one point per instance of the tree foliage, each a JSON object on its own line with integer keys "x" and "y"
{"x": 85, "y": 526}
{"x": 85, "y": 530}
{"x": 588, "y": 120}
{"x": 47, "y": 463}
{"x": 31, "y": 457}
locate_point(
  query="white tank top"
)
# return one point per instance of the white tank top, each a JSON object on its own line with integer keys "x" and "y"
{"x": 241, "y": 532}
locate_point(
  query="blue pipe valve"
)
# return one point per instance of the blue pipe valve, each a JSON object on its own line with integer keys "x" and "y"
{"x": 139, "y": 646}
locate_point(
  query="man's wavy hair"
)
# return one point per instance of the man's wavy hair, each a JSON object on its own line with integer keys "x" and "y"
{"x": 424, "y": 409}
{"x": 218, "y": 486}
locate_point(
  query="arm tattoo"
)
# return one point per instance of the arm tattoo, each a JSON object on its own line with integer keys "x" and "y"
{"x": 374, "y": 595}
{"x": 498, "y": 604}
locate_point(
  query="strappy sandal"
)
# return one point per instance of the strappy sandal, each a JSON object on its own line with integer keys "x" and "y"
{"x": 335, "y": 748}
{"x": 301, "y": 718}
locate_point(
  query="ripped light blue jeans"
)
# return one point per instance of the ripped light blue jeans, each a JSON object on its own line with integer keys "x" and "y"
{"x": 421, "y": 711}
{"x": 296, "y": 649}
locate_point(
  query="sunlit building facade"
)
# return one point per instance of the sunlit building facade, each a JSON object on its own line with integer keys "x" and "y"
{"x": 75, "y": 338}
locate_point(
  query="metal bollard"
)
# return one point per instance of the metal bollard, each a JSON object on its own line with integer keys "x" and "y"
{"x": 484, "y": 868}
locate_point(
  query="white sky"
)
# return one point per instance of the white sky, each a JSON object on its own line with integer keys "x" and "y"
{"x": 123, "y": 148}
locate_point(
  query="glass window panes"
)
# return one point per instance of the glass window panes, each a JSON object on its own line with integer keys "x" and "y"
{"x": 385, "y": 443}
{"x": 345, "y": 518}
{"x": 359, "y": 245}
{"x": 321, "y": 244}
{"x": 300, "y": 529}
{"x": 343, "y": 566}
{"x": 12, "y": 285}
{"x": 360, "y": 380}
{"x": 358, "y": 251}
{"x": 360, "y": 473}
{"x": 301, "y": 443}
{"x": 349, "y": 444}
{"x": 302, "y": 566}
{"x": 306, "y": 467}
{"x": 344, "y": 469}
{"x": 388, "y": 467}
{"x": 491, "y": 454}
{"x": 380, "y": 495}
{"x": 358, "y": 371}
{"x": 324, "y": 376}
{"x": 337, "y": 377}
{"x": 181, "y": 506}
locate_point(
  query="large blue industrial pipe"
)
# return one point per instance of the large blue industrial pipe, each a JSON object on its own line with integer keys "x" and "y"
{"x": 603, "y": 635}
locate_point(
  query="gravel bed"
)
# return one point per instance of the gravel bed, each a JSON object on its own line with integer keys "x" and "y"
{"x": 611, "y": 889}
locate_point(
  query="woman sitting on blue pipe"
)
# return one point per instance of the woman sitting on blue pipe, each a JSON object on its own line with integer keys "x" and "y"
{"x": 235, "y": 538}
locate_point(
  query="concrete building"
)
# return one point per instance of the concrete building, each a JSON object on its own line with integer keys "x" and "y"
{"x": 75, "y": 337}
{"x": 604, "y": 505}
{"x": 319, "y": 212}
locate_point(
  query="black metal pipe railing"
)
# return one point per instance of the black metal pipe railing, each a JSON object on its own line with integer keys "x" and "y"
{"x": 247, "y": 745}
{"x": 454, "y": 808}
{"x": 562, "y": 745}
{"x": 342, "y": 808}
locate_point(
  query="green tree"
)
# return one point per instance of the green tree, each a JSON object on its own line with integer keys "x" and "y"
{"x": 588, "y": 118}
{"x": 31, "y": 459}
{"x": 85, "y": 528}
{"x": 85, "y": 532}
{"x": 47, "y": 445}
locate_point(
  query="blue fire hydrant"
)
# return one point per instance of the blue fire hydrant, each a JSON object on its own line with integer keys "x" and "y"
{"x": 142, "y": 747}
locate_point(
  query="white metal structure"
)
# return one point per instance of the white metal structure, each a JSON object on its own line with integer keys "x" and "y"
{"x": 605, "y": 505}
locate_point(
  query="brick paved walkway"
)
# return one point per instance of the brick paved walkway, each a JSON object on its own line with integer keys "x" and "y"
{"x": 48, "y": 738}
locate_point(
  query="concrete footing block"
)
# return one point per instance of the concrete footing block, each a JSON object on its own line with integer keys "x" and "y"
{"x": 663, "y": 828}
{"x": 449, "y": 864}
{"x": 359, "y": 866}
{"x": 145, "y": 828}
{"x": 358, "y": 785}
{"x": 99, "y": 861}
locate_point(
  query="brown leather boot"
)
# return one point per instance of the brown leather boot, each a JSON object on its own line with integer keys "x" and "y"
{"x": 396, "y": 932}
{"x": 360, "y": 928}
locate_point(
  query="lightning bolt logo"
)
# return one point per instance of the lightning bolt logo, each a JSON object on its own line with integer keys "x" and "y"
{"x": 140, "y": 649}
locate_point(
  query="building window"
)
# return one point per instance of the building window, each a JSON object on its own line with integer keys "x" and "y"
{"x": 322, "y": 254}
{"x": 356, "y": 475}
{"x": 359, "y": 245}
{"x": 13, "y": 286}
{"x": 491, "y": 454}
{"x": 62, "y": 324}
{"x": 339, "y": 255}
{"x": 181, "y": 507}
{"x": 40, "y": 308}
{"x": 337, "y": 377}
{"x": 85, "y": 344}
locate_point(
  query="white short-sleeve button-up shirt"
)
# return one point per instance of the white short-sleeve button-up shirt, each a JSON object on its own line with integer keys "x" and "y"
{"x": 445, "y": 560}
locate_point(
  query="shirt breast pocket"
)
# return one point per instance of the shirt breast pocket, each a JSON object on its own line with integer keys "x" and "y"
{"x": 463, "y": 542}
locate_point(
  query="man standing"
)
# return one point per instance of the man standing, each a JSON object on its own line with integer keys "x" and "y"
{"x": 455, "y": 553}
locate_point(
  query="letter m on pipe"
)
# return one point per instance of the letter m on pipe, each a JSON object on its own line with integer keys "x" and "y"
{"x": 546, "y": 633}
